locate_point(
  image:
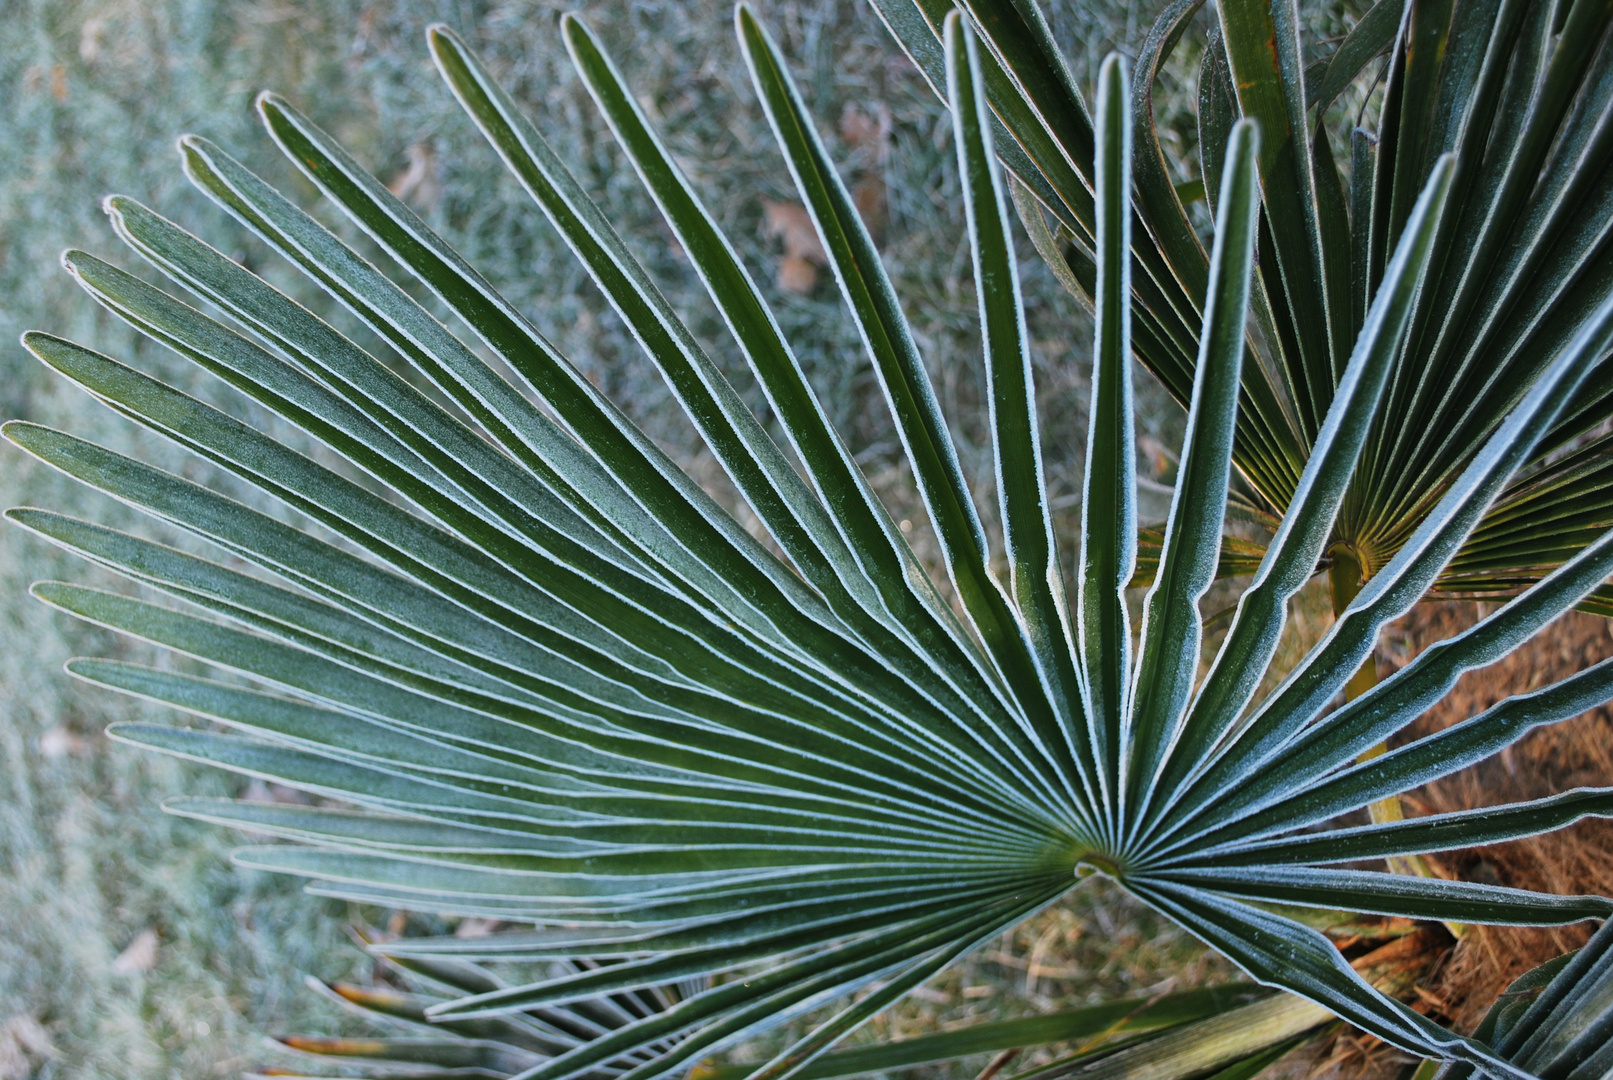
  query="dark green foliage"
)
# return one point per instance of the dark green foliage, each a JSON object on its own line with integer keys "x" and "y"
{"x": 531, "y": 670}
{"x": 1516, "y": 90}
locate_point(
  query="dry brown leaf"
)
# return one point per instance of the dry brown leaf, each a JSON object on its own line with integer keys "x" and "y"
{"x": 803, "y": 252}
{"x": 417, "y": 183}
{"x": 57, "y": 742}
{"x": 867, "y": 131}
{"x": 23, "y": 1040}
{"x": 476, "y": 928}
{"x": 139, "y": 956}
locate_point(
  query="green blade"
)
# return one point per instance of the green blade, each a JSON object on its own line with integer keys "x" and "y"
{"x": 903, "y": 378}
{"x": 1215, "y": 1041}
{"x": 786, "y": 505}
{"x": 1369, "y": 39}
{"x": 1415, "y": 567}
{"x": 1395, "y": 894}
{"x": 1389, "y": 706}
{"x": 1263, "y": 51}
{"x": 1435, "y": 832}
{"x": 1280, "y": 952}
{"x": 1172, "y": 629}
{"x": 1429, "y": 758}
{"x": 1109, "y": 489}
{"x": 1291, "y": 557}
{"x": 1096, "y": 1024}
{"x": 1036, "y": 576}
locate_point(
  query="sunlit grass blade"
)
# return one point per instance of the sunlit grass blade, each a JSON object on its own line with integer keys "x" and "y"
{"x": 1238, "y": 557}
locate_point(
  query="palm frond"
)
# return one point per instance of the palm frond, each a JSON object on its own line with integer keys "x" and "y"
{"x": 1516, "y": 90}
{"x": 536, "y": 673}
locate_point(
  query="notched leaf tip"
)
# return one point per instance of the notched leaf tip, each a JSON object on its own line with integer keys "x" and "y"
{"x": 117, "y": 209}
{"x": 273, "y": 109}
{"x": 441, "y": 36}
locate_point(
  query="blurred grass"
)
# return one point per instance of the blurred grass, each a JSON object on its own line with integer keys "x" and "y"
{"x": 96, "y": 93}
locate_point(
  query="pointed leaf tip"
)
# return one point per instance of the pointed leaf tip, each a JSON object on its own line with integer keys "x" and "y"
{"x": 50, "y": 592}
{"x": 746, "y": 23}
{"x": 21, "y": 432}
{"x": 441, "y": 38}
{"x": 575, "y": 31}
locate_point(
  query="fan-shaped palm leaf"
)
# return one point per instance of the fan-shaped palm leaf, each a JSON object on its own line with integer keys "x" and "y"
{"x": 1516, "y": 90}
{"x": 552, "y": 681}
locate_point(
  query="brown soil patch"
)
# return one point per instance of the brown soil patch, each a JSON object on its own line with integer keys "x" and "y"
{"x": 1465, "y": 980}
{"x": 1576, "y": 753}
